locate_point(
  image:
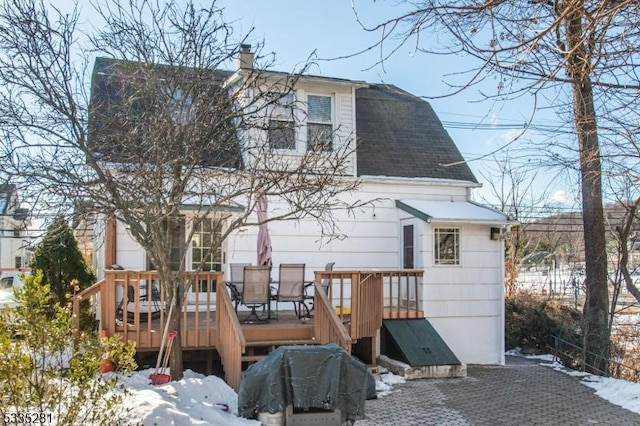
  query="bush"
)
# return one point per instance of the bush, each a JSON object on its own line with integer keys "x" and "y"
{"x": 42, "y": 372}
{"x": 63, "y": 267}
{"x": 533, "y": 323}
{"x": 625, "y": 352}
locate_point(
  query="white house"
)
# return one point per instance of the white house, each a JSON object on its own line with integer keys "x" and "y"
{"x": 422, "y": 217}
{"x": 14, "y": 235}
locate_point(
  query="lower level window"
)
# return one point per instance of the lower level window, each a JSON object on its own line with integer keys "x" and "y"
{"x": 206, "y": 245}
{"x": 447, "y": 246}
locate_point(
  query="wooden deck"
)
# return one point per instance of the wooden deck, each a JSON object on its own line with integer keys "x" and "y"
{"x": 351, "y": 309}
{"x": 201, "y": 333}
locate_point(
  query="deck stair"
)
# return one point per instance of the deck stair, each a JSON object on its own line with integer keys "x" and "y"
{"x": 259, "y": 349}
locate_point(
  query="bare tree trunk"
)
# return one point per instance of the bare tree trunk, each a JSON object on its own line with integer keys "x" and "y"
{"x": 596, "y": 307}
{"x": 176, "y": 360}
{"x": 173, "y": 295}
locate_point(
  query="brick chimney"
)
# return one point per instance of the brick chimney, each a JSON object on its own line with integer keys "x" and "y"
{"x": 245, "y": 59}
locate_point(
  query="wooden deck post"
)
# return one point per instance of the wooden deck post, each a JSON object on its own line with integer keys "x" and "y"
{"x": 110, "y": 243}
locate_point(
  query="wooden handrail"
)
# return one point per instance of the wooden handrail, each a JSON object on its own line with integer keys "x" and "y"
{"x": 230, "y": 340}
{"x": 367, "y": 304}
{"x": 328, "y": 327}
{"x": 399, "y": 286}
{"x": 77, "y": 298}
{"x": 365, "y": 297}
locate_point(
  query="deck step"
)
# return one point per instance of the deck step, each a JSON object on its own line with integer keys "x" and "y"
{"x": 270, "y": 346}
{"x": 259, "y": 343}
{"x": 252, "y": 358}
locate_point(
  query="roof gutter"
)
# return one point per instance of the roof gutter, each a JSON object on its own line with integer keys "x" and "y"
{"x": 447, "y": 182}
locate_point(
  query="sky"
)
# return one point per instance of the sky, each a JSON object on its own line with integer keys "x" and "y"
{"x": 199, "y": 399}
{"x": 329, "y": 29}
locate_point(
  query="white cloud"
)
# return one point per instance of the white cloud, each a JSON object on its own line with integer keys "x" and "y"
{"x": 562, "y": 197}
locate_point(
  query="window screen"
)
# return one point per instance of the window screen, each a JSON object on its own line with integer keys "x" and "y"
{"x": 319, "y": 123}
{"x": 447, "y": 246}
{"x": 319, "y": 108}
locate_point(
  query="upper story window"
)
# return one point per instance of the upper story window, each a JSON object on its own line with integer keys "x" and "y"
{"x": 447, "y": 246}
{"x": 181, "y": 108}
{"x": 319, "y": 123}
{"x": 281, "y": 132}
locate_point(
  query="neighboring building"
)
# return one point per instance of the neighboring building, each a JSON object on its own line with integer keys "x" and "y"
{"x": 14, "y": 233}
{"x": 423, "y": 217}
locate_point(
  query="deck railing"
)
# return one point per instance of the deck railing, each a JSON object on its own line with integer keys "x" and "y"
{"x": 230, "y": 341}
{"x": 328, "y": 327}
{"x": 364, "y": 298}
{"x": 348, "y": 306}
{"x": 85, "y": 294}
{"x": 366, "y": 304}
{"x": 132, "y": 304}
{"x": 402, "y": 294}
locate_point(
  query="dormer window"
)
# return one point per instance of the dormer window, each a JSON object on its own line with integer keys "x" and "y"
{"x": 319, "y": 123}
{"x": 182, "y": 109}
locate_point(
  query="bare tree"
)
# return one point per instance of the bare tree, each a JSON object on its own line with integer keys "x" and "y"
{"x": 582, "y": 52}
{"x": 161, "y": 131}
{"x": 512, "y": 185}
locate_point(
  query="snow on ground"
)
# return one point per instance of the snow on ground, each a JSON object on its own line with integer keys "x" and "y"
{"x": 199, "y": 399}
{"x": 619, "y": 392}
{"x": 196, "y": 399}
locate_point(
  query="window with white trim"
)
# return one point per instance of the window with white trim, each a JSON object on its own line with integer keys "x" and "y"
{"x": 181, "y": 108}
{"x": 176, "y": 246}
{"x": 447, "y": 246}
{"x": 319, "y": 123}
{"x": 206, "y": 232}
{"x": 281, "y": 133}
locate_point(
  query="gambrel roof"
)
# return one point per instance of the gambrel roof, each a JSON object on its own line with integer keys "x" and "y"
{"x": 9, "y": 203}
{"x": 400, "y": 135}
{"x": 121, "y": 98}
{"x": 7, "y": 192}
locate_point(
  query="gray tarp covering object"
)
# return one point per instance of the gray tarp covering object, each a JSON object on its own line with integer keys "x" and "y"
{"x": 307, "y": 377}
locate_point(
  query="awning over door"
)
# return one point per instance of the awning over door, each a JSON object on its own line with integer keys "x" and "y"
{"x": 452, "y": 211}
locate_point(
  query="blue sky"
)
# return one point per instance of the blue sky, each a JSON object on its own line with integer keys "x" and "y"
{"x": 294, "y": 29}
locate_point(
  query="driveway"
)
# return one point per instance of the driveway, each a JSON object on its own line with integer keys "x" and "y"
{"x": 522, "y": 392}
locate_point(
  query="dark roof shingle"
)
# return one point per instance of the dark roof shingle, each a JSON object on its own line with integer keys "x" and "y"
{"x": 124, "y": 111}
{"x": 400, "y": 135}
